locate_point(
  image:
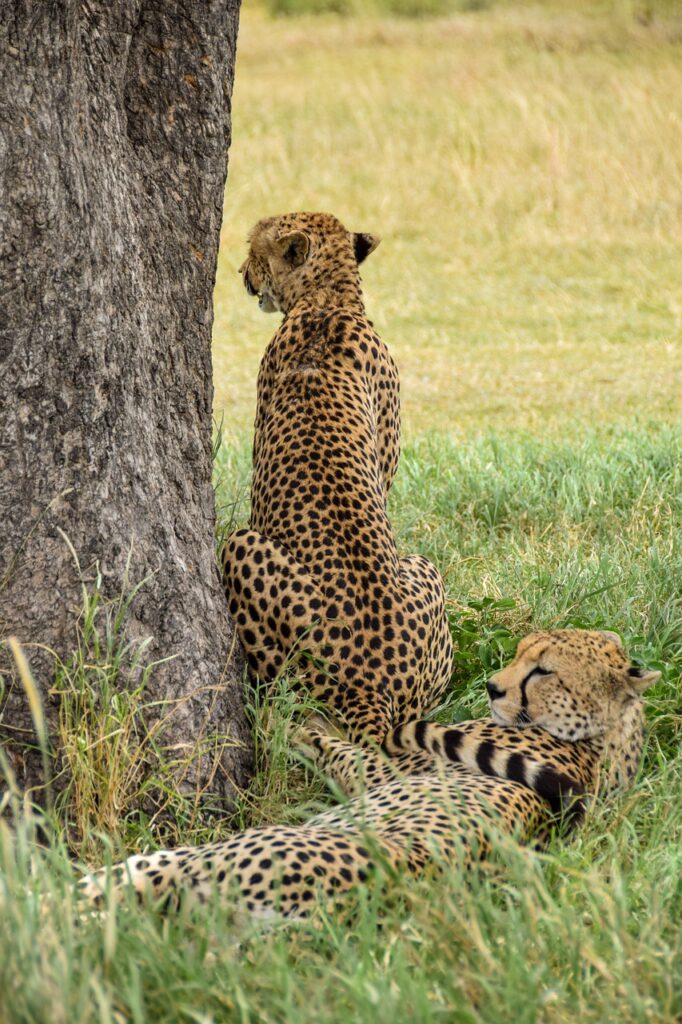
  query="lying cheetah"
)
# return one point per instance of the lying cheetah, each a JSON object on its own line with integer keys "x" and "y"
{"x": 316, "y": 581}
{"x": 567, "y": 720}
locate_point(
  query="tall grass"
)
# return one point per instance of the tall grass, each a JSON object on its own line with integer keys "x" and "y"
{"x": 523, "y": 164}
{"x": 111, "y": 780}
{"x": 589, "y": 932}
{"x": 530, "y": 532}
{"x": 540, "y": 533}
{"x": 641, "y": 12}
{"x": 402, "y": 8}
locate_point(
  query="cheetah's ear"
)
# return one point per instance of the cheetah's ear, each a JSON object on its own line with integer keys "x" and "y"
{"x": 613, "y": 637}
{"x": 294, "y": 247}
{"x": 640, "y": 680}
{"x": 364, "y": 244}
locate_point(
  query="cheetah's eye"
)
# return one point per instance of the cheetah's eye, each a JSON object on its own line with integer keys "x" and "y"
{"x": 537, "y": 671}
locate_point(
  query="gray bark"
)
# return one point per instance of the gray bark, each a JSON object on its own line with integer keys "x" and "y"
{"x": 114, "y": 133}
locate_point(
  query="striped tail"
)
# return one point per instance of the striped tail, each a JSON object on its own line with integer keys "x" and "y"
{"x": 565, "y": 795}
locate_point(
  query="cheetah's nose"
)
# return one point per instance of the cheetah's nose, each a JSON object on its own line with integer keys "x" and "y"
{"x": 494, "y": 691}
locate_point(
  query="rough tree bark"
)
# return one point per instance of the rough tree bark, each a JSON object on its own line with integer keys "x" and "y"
{"x": 114, "y": 132}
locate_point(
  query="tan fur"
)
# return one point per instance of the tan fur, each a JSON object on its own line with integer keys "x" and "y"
{"x": 418, "y": 807}
{"x": 316, "y": 582}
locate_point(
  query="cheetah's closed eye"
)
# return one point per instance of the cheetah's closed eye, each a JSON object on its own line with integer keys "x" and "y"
{"x": 431, "y": 795}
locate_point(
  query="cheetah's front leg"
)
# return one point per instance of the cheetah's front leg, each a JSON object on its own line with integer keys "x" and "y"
{"x": 357, "y": 769}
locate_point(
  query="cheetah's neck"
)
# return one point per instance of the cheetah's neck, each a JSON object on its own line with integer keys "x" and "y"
{"x": 341, "y": 290}
{"x": 620, "y": 749}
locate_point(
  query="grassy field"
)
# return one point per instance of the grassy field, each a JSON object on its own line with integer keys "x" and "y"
{"x": 523, "y": 164}
{"x": 528, "y": 532}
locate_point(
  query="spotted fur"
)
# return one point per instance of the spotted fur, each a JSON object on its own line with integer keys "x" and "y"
{"x": 569, "y": 705}
{"x": 316, "y": 581}
{"x": 485, "y": 754}
{"x": 568, "y": 731}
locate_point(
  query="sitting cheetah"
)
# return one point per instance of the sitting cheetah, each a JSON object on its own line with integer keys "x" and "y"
{"x": 316, "y": 582}
{"x": 567, "y": 707}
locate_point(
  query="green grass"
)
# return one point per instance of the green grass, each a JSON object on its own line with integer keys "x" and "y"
{"x": 590, "y": 934}
{"x": 405, "y": 8}
{"x": 523, "y": 167}
{"x": 522, "y": 163}
{"x": 529, "y": 532}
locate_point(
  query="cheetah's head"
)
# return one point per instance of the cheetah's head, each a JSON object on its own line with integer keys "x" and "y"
{"x": 296, "y": 254}
{"x": 575, "y": 683}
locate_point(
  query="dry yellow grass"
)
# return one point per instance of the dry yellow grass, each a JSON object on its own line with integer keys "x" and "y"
{"x": 524, "y": 167}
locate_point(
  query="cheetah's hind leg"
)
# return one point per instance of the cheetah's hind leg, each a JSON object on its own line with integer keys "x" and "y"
{"x": 273, "y": 600}
{"x": 424, "y": 584}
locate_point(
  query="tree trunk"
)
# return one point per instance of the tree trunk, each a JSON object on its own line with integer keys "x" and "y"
{"x": 113, "y": 156}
